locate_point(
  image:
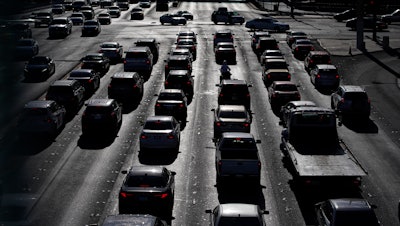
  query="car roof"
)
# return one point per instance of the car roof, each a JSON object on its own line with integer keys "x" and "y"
{"x": 280, "y": 70}
{"x": 99, "y": 102}
{"x": 350, "y": 204}
{"x": 39, "y": 104}
{"x": 233, "y": 82}
{"x": 159, "y": 118}
{"x": 263, "y": 38}
{"x": 186, "y": 32}
{"x": 124, "y": 74}
{"x": 109, "y": 43}
{"x": 238, "y": 210}
{"x": 138, "y": 49}
{"x": 224, "y": 31}
{"x": 326, "y": 67}
{"x": 232, "y": 108}
{"x": 129, "y": 219}
{"x": 146, "y": 170}
{"x": 146, "y": 40}
{"x": 237, "y": 135}
{"x": 178, "y": 57}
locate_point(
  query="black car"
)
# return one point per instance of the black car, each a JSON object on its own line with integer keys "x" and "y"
{"x": 345, "y": 15}
{"x": 104, "y": 18}
{"x": 368, "y": 22}
{"x": 21, "y": 30}
{"x": 147, "y": 188}
{"x": 61, "y": 26}
{"x": 69, "y": 93}
{"x": 43, "y": 18}
{"x": 39, "y": 67}
{"x": 225, "y": 51}
{"x": 101, "y": 117}
{"x": 177, "y": 62}
{"x": 113, "y": 50}
{"x": 126, "y": 87}
{"x": 172, "y": 102}
{"x": 152, "y": 44}
{"x": 97, "y": 62}
{"x": 89, "y": 79}
{"x": 137, "y": 14}
{"x": 234, "y": 92}
{"x": 91, "y": 27}
{"x": 189, "y": 44}
{"x": 180, "y": 79}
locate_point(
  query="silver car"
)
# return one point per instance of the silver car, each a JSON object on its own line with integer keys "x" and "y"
{"x": 237, "y": 214}
{"x": 160, "y": 132}
{"x": 231, "y": 118}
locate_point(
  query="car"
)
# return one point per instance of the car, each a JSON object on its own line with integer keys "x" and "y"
{"x": 175, "y": 3}
{"x": 126, "y": 87}
{"x": 369, "y": 23}
{"x": 301, "y": 47}
{"x": 139, "y": 59}
{"x": 77, "y": 18}
{"x": 256, "y": 35}
{"x": 181, "y": 52}
{"x": 58, "y": 9}
{"x": 173, "y": 19}
{"x": 114, "y": 11}
{"x": 292, "y": 35}
{"x": 223, "y": 36}
{"x": 275, "y": 63}
{"x": 160, "y": 133}
{"x": 67, "y": 5}
{"x": 145, "y": 3}
{"x": 281, "y": 92}
{"x": 94, "y": 3}
{"x": 290, "y": 106}
{"x": 270, "y": 54}
{"x": 89, "y": 14}
{"x": 123, "y": 5}
{"x": 235, "y": 18}
{"x": 39, "y": 68}
{"x": 267, "y": 23}
{"x": 345, "y": 15}
{"x": 112, "y": 50}
{"x": 69, "y": 93}
{"x": 265, "y": 43}
{"x": 237, "y": 214}
{"x": 96, "y": 61}
{"x": 137, "y": 14}
{"x": 180, "y": 79}
{"x": 316, "y": 57}
{"x": 106, "y": 3}
{"x": 172, "y": 102}
{"x": 186, "y": 34}
{"x": 133, "y": 219}
{"x": 77, "y": 4}
{"x": 104, "y": 18}
{"x": 188, "y": 44}
{"x": 61, "y": 26}
{"x": 87, "y": 8}
{"x": 325, "y": 76}
{"x": 271, "y": 75}
{"x": 184, "y": 13}
{"x": 43, "y": 18}
{"x": 26, "y": 48}
{"x": 89, "y": 79}
{"x": 345, "y": 211}
{"x": 392, "y": 17}
{"x": 101, "y": 117}
{"x": 177, "y": 62}
{"x": 231, "y": 118}
{"x": 91, "y": 27}
{"x": 147, "y": 188}
{"x": 234, "y": 92}
{"x": 225, "y": 51}
{"x": 351, "y": 101}
{"x": 41, "y": 117}
{"x": 153, "y": 44}
{"x": 20, "y": 30}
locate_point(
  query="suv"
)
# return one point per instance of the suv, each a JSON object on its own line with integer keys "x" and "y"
{"x": 316, "y": 57}
{"x": 351, "y": 101}
{"x": 234, "y": 92}
{"x": 102, "y": 115}
{"x": 172, "y": 102}
{"x": 223, "y": 36}
{"x": 325, "y": 76}
{"x": 174, "y": 62}
{"x": 125, "y": 86}
{"x": 152, "y": 44}
{"x": 69, "y": 93}
{"x": 139, "y": 59}
{"x": 61, "y": 26}
{"x": 180, "y": 79}
{"x": 257, "y": 35}
{"x": 265, "y": 43}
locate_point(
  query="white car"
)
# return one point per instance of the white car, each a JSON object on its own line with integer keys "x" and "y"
{"x": 160, "y": 132}
{"x": 266, "y": 23}
{"x": 235, "y": 214}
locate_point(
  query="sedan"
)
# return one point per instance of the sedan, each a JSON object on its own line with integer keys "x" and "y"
{"x": 89, "y": 79}
{"x": 39, "y": 67}
{"x": 291, "y": 34}
{"x": 267, "y": 23}
{"x": 187, "y": 44}
{"x": 26, "y": 48}
{"x": 368, "y": 24}
{"x": 145, "y": 3}
{"x": 77, "y": 18}
{"x": 301, "y": 47}
{"x": 237, "y": 214}
{"x": 281, "y": 92}
{"x": 114, "y": 11}
{"x": 160, "y": 132}
{"x": 188, "y": 15}
{"x": 393, "y": 17}
{"x": 147, "y": 188}
{"x": 172, "y": 102}
{"x": 173, "y": 19}
{"x": 96, "y": 61}
{"x": 231, "y": 118}
{"x": 58, "y": 9}
{"x": 225, "y": 51}
{"x": 91, "y": 27}
{"x": 112, "y": 50}
{"x": 290, "y": 106}
{"x": 104, "y": 18}
{"x": 137, "y": 14}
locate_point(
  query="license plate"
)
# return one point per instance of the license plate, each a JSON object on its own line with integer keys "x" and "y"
{"x": 157, "y": 137}
{"x": 142, "y": 198}
{"x": 97, "y": 116}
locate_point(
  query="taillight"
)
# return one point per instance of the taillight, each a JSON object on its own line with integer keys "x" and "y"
{"x": 318, "y": 76}
{"x": 221, "y": 95}
{"x": 109, "y": 86}
{"x": 171, "y": 136}
{"x": 90, "y": 81}
{"x": 246, "y": 124}
{"x": 311, "y": 61}
{"x": 297, "y": 49}
{"x": 124, "y": 61}
{"x": 48, "y": 120}
{"x": 259, "y": 165}
{"x": 218, "y": 124}
{"x": 337, "y": 77}
{"x": 181, "y": 105}
{"x": 188, "y": 83}
{"x": 166, "y": 83}
{"x": 163, "y": 195}
{"x": 112, "y": 114}
{"x": 147, "y": 61}
{"x": 135, "y": 86}
{"x": 158, "y": 105}
{"x": 219, "y": 164}
{"x": 289, "y": 76}
{"x": 143, "y": 137}
{"x": 268, "y": 75}
{"x": 248, "y": 95}
{"x": 100, "y": 51}
{"x": 342, "y": 100}
{"x": 166, "y": 66}
{"x": 369, "y": 100}
{"x": 312, "y": 48}
{"x": 125, "y": 195}
{"x": 329, "y": 62}
{"x": 298, "y": 96}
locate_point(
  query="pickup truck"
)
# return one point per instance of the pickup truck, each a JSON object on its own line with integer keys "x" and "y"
{"x": 310, "y": 144}
{"x": 237, "y": 157}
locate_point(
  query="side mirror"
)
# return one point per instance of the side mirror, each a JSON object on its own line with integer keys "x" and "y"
{"x": 173, "y": 173}
{"x": 265, "y": 212}
{"x": 280, "y": 123}
{"x": 258, "y": 141}
{"x": 213, "y": 109}
{"x": 124, "y": 171}
{"x": 208, "y": 211}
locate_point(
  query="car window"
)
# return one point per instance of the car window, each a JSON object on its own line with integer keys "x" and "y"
{"x": 239, "y": 143}
{"x": 170, "y": 96}
{"x": 91, "y": 23}
{"x": 232, "y": 114}
{"x": 158, "y": 125}
{"x": 146, "y": 181}
{"x": 136, "y": 55}
{"x": 97, "y": 110}
{"x": 285, "y": 87}
{"x": 235, "y": 90}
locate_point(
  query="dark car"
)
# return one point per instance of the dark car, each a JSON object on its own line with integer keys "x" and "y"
{"x": 101, "y": 117}
{"x": 43, "y": 18}
{"x": 180, "y": 79}
{"x": 172, "y": 102}
{"x": 188, "y": 44}
{"x": 20, "y": 30}
{"x": 369, "y": 23}
{"x": 114, "y": 11}
{"x": 77, "y": 4}
{"x": 345, "y": 15}
{"x": 147, "y": 188}
{"x": 61, "y": 26}
{"x": 346, "y": 211}
{"x": 126, "y": 87}
{"x": 267, "y": 23}
{"x": 133, "y": 219}
{"x": 181, "y": 52}
{"x": 89, "y": 79}
{"x": 89, "y": 14}
{"x": 316, "y": 57}
{"x": 69, "y": 93}
{"x": 91, "y": 27}
{"x": 271, "y": 75}
{"x": 184, "y": 13}
{"x": 270, "y": 54}
{"x": 96, "y": 61}
{"x": 106, "y": 3}
{"x": 290, "y": 36}
{"x": 26, "y": 48}
{"x": 104, "y": 18}
{"x": 112, "y": 50}
{"x": 231, "y": 118}
{"x": 290, "y": 106}
{"x": 185, "y": 34}
{"x": 171, "y": 18}
{"x": 281, "y": 92}
{"x": 225, "y": 51}
{"x": 325, "y": 76}
{"x": 39, "y": 67}
{"x": 223, "y": 36}
{"x": 301, "y": 47}
{"x": 77, "y": 18}
{"x": 237, "y": 214}
{"x": 392, "y": 17}
{"x": 234, "y": 92}
{"x": 265, "y": 43}
{"x": 177, "y": 62}
{"x": 152, "y": 44}
{"x": 256, "y": 35}
{"x": 139, "y": 59}
{"x": 137, "y": 14}
{"x": 351, "y": 101}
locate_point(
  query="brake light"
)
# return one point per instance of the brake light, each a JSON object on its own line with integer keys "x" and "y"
{"x": 246, "y": 124}
{"x": 248, "y": 95}
{"x": 158, "y": 105}
{"x": 238, "y": 138}
{"x": 342, "y": 100}
{"x": 135, "y": 86}
{"x": 277, "y": 47}
{"x": 289, "y": 76}
{"x": 312, "y": 48}
{"x": 90, "y": 81}
{"x": 166, "y": 83}
{"x": 48, "y": 120}
{"x": 221, "y": 95}
{"x": 124, "y": 61}
{"x": 298, "y": 96}
{"x": 297, "y": 49}
{"x": 357, "y": 181}
{"x": 259, "y": 165}
{"x": 219, "y": 165}
{"x": 143, "y": 137}
{"x": 125, "y": 195}
{"x": 189, "y": 83}
{"x": 193, "y": 47}
{"x": 112, "y": 114}
{"x": 109, "y": 86}
{"x": 311, "y": 61}
{"x": 318, "y": 76}
{"x": 147, "y": 61}
{"x": 369, "y": 100}
{"x": 181, "y": 105}
{"x": 171, "y": 136}
{"x": 218, "y": 124}
{"x": 329, "y": 61}
{"x": 268, "y": 75}
{"x": 163, "y": 195}
{"x": 166, "y": 66}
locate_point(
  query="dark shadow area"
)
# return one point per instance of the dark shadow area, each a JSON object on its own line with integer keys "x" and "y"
{"x": 32, "y": 145}
{"x": 96, "y": 141}
{"x": 380, "y": 63}
{"x": 158, "y": 157}
{"x": 128, "y": 107}
{"x": 360, "y": 125}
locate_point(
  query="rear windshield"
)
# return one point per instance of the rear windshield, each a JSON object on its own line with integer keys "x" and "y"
{"x": 91, "y": 23}
{"x": 235, "y": 89}
{"x": 356, "y": 96}
{"x": 146, "y": 181}
{"x": 122, "y": 82}
{"x": 229, "y": 154}
{"x": 317, "y": 119}
{"x": 80, "y": 74}
{"x": 223, "y": 35}
{"x": 177, "y": 63}
{"x": 348, "y": 218}
{"x": 97, "y": 110}
{"x": 60, "y": 91}
{"x": 92, "y": 58}
{"x": 321, "y": 59}
{"x": 170, "y": 96}
{"x": 77, "y": 15}
{"x": 136, "y": 55}
{"x": 43, "y": 14}
{"x": 177, "y": 78}
{"x": 158, "y": 125}
{"x": 232, "y": 114}
{"x": 24, "y": 43}
{"x": 285, "y": 87}
{"x": 238, "y": 143}
{"x": 59, "y": 21}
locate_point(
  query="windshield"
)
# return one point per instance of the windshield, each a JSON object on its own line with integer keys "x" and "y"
{"x": 232, "y": 114}
{"x": 146, "y": 181}
{"x": 170, "y": 96}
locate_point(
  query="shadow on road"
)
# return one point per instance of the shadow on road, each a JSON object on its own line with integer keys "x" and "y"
{"x": 159, "y": 157}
